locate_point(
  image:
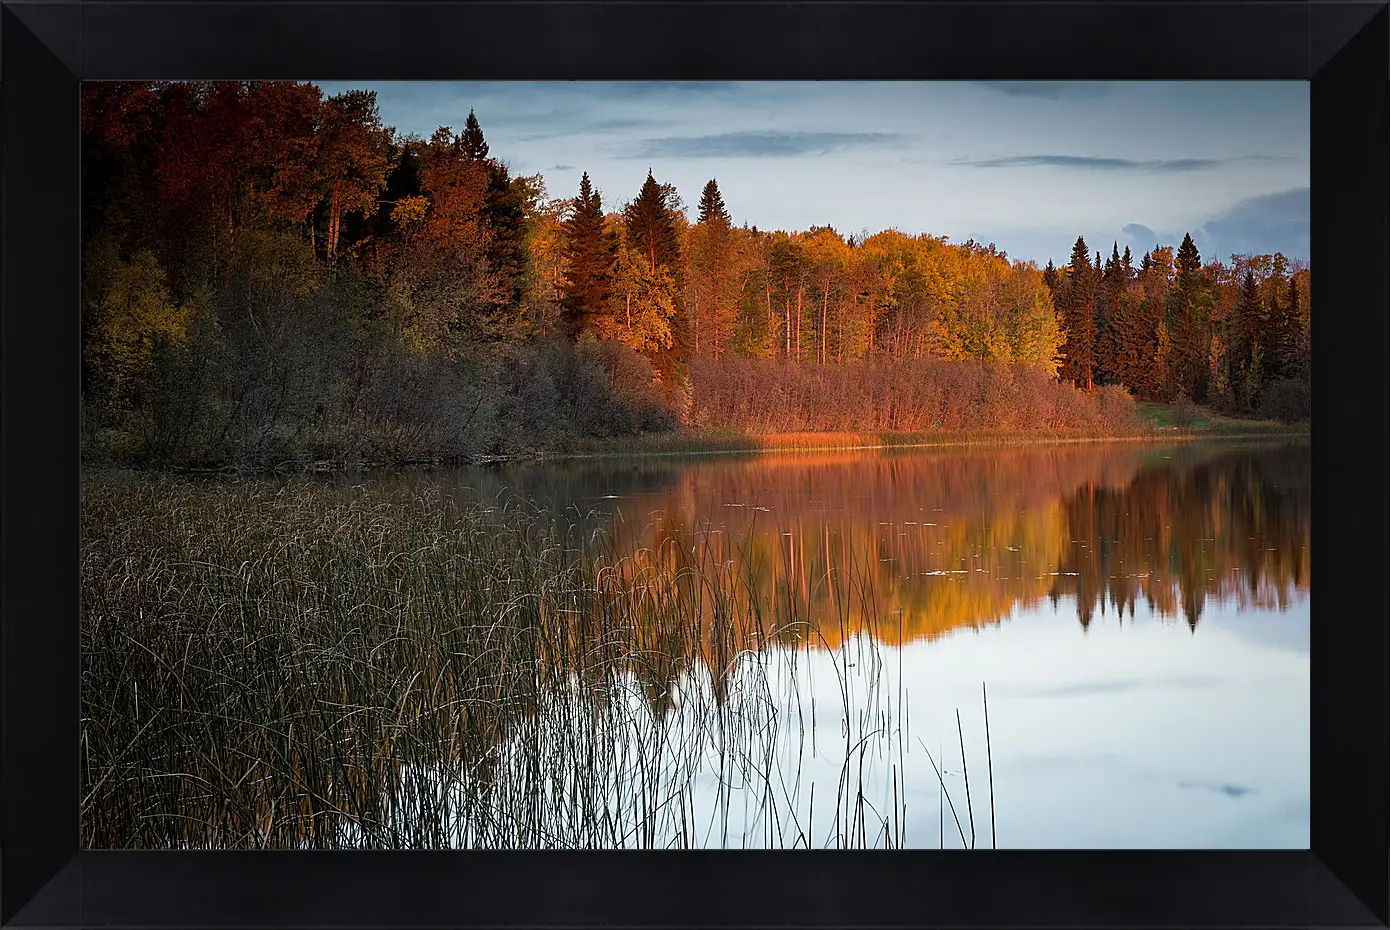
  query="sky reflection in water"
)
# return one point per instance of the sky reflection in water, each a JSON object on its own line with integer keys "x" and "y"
{"x": 1140, "y": 615}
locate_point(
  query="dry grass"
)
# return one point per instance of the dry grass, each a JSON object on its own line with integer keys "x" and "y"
{"x": 306, "y": 665}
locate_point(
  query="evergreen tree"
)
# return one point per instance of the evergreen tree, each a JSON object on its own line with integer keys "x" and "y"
{"x": 1293, "y": 350}
{"x": 1189, "y": 262}
{"x": 1189, "y": 324}
{"x": 472, "y": 142}
{"x": 1132, "y": 335}
{"x": 504, "y": 207}
{"x": 1079, "y": 318}
{"x": 650, "y": 229}
{"x": 712, "y": 208}
{"x": 712, "y": 285}
{"x": 650, "y": 225}
{"x": 1249, "y": 329}
{"x": 590, "y": 253}
{"x": 1113, "y": 284}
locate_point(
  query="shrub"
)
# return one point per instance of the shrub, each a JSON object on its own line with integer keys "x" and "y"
{"x": 917, "y": 395}
{"x": 1286, "y": 399}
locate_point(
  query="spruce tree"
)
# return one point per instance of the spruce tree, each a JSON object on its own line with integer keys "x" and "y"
{"x": 504, "y": 208}
{"x": 1251, "y": 324}
{"x": 650, "y": 226}
{"x": 1079, "y": 319}
{"x": 1189, "y": 262}
{"x": 711, "y": 286}
{"x": 1293, "y": 360}
{"x": 472, "y": 142}
{"x": 712, "y": 208}
{"x": 1189, "y": 326}
{"x": 590, "y": 253}
{"x": 1108, "y": 300}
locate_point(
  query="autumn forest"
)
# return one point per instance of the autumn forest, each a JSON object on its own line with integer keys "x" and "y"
{"x": 271, "y": 274}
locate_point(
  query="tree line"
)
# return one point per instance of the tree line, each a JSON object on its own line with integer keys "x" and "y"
{"x": 273, "y": 273}
{"x": 1235, "y": 336}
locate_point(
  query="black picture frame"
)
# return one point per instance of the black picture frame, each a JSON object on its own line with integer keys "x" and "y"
{"x": 48, "y": 47}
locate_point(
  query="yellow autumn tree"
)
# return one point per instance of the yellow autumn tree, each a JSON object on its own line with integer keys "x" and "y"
{"x": 129, "y": 312}
{"x": 644, "y": 304}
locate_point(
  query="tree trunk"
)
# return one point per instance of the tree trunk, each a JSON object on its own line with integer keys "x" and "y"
{"x": 786, "y": 327}
{"x": 333, "y": 213}
{"x": 801, "y": 288}
{"x": 825, "y": 308}
{"x": 768, "y": 300}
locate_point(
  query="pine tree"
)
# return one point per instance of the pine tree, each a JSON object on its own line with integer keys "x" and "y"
{"x": 505, "y": 208}
{"x": 472, "y": 142}
{"x": 1189, "y": 262}
{"x": 590, "y": 253}
{"x": 712, "y": 208}
{"x": 1132, "y": 337}
{"x": 1108, "y": 297}
{"x": 712, "y": 287}
{"x": 1292, "y": 346}
{"x": 1250, "y": 326}
{"x": 650, "y": 226}
{"x": 650, "y": 229}
{"x": 1079, "y": 318}
{"x": 1189, "y": 326}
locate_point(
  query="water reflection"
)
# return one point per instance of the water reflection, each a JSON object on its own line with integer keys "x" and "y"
{"x": 1183, "y": 723}
{"x": 942, "y": 541}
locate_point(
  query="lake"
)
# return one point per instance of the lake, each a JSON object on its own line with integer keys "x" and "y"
{"x": 1138, "y": 614}
{"x": 1080, "y": 645}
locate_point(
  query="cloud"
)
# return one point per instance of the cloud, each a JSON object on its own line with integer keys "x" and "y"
{"x": 1121, "y": 685}
{"x": 627, "y": 90}
{"x": 1110, "y": 164}
{"x": 758, "y": 144}
{"x": 1230, "y": 790}
{"x": 1277, "y": 222}
{"x": 561, "y": 168}
{"x": 1049, "y": 90}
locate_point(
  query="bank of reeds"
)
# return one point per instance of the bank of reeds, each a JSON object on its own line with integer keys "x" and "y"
{"x": 311, "y": 665}
{"x": 907, "y": 396}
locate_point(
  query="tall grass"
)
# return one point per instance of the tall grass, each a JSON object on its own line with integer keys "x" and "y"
{"x": 305, "y": 665}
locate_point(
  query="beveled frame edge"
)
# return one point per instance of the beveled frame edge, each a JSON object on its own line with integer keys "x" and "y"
{"x": 38, "y": 465}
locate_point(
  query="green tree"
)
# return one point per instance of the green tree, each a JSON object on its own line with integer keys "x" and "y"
{"x": 471, "y": 140}
{"x": 590, "y": 253}
{"x": 1189, "y": 323}
{"x": 650, "y": 226}
{"x": 1079, "y": 318}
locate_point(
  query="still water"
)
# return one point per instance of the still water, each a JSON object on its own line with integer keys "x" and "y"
{"x": 1138, "y": 615}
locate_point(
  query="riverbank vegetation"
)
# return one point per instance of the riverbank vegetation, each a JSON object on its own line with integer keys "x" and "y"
{"x": 318, "y": 666}
{"x": 273, "y": 276}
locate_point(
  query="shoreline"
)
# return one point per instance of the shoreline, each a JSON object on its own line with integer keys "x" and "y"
{"x": 698, "y": 444}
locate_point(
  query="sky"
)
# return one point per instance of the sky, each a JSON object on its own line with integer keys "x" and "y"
{"x": 1026, "y": 165}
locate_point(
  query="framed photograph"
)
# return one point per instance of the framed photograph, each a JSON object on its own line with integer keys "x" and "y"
{"x": 742, "y": 464}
